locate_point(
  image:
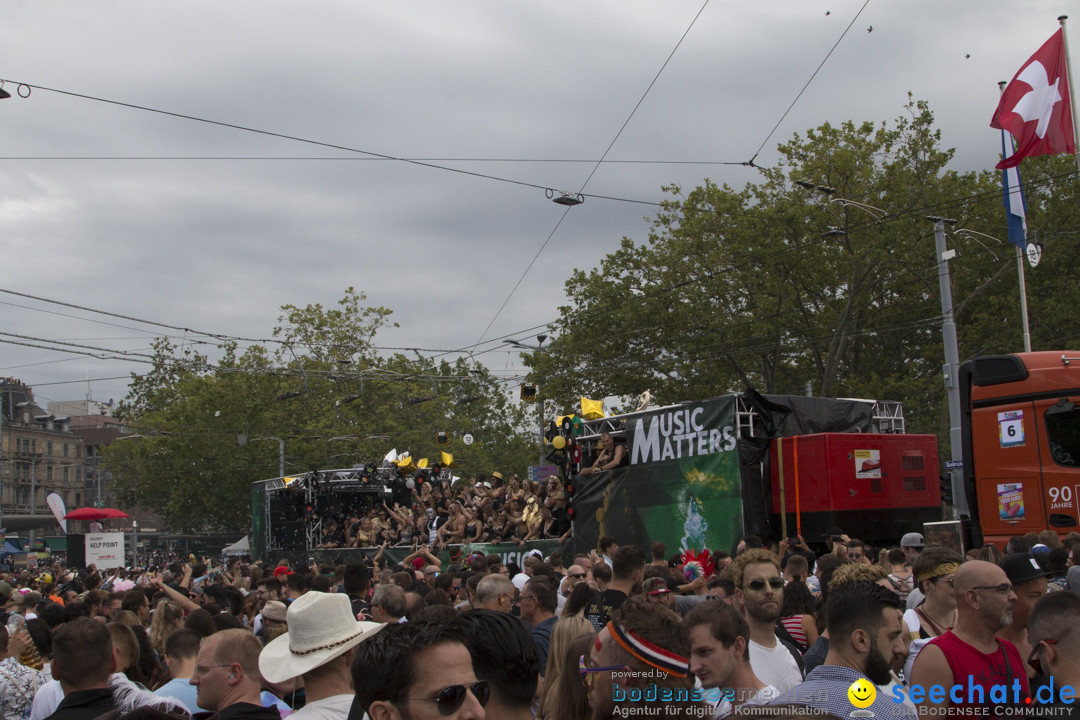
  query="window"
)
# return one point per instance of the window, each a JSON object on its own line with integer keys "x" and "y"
{"x": 1063, "y": 433}
{"x": 48, "y": 448}
{"x": 48, "y": 473}
{"x": 65, "y": 474}
{"x": 65, "y": 449}
{"x": 33, "y": 446}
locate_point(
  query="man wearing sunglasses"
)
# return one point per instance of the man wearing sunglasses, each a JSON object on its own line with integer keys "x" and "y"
{"x": 971, "y": 653}
{"x": 759, "y": 590}
{"x": 417, "y": 671}
{"x": 1054, "y": 632}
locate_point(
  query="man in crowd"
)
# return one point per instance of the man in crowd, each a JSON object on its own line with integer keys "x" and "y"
{"x": 83, "y": 660}
{"x": 136, "y": 601}
{"x": 575, "y": 574}
{"x": 181, "y": 649}
{"x": 356, "y": 577}
{"x": 656, "y": 590}
{"x": 647, "y": 646}
{"x": 226, "y": 677}
{"x": 1054, "y": 632}
{"x": 1029, "y": 583}
{"x": 912, "y": 544}
{"x": 720, "y": 657}
{"x": 760, "y": 592}
{"x": 971, "y": 653}
{"x": 537, "y": 605}
{"x": 608, "y": 546}
{"x": 266, "y": 590}
{"x": 18, "y": 683}
{"x": 388, "y": 604}
{"x": 865, "y": 638}
{"x": 504, "y": 656}
{"x": 721, "y": 588}
{"x": 495, "y": 592}
{"x": 628, "y": 570}
{"x": 418, "y": 671}
{"x": 319, "y": 647}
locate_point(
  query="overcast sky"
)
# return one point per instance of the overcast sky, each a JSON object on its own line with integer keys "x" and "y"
{"x": 96, "y": 210}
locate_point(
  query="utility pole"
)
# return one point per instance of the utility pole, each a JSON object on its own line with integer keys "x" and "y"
{"x": 952, "y": 364}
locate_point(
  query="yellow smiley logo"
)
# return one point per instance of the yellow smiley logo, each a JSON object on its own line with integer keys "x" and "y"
{"x": 862, "y": 693}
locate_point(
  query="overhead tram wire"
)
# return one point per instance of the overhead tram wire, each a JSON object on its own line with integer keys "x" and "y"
{"x": 319, "y": 143}
{"x": 581, "y": 190}
{"x": 807, "y": 85}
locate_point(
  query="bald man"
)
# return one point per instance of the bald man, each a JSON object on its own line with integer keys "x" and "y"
{"x": 971, "y": 653}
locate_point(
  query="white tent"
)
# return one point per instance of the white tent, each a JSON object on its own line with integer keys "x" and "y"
{"x": 240, "y": 547}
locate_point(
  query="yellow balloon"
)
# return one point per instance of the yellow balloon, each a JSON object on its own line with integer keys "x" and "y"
{"x": 559, "y": 442}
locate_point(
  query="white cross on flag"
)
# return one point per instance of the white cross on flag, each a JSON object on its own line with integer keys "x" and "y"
{"x": 1035, "y": 105}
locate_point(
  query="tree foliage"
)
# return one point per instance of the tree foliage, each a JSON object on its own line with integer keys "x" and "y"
{"x": 821, "y": 273}
{"x": 204, "y": 432}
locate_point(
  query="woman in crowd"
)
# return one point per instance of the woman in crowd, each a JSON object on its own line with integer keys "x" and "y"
{"x": 797, "y": 614}
{"x": 565, "y": 696}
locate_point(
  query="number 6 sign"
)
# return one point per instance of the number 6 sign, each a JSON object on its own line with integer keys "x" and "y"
{"x": 1011, "y": 428}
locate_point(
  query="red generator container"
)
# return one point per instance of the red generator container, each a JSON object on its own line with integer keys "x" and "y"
{"x": 874, "y": 487}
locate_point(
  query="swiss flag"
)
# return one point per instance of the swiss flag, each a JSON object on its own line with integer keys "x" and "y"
{"x": 1035, "y": 105}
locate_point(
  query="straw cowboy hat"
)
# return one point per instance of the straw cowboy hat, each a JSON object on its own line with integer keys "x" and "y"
{"x": 321, "y": 627}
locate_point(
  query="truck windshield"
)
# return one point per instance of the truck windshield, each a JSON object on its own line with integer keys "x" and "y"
{"x": 1063, "y": 433}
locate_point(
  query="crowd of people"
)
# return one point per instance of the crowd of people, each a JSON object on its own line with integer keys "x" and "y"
{"x": 479, "y": 509}
{"x": 779, "y": 631}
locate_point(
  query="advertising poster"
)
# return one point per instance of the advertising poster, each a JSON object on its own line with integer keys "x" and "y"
{"x": 1011, "y": 501}
{"x": 867, "y": 464}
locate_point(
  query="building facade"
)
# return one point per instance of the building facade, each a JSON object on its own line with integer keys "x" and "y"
{"x": 39, "y": 455}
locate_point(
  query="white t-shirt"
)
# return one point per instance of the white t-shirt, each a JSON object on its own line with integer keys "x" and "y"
{"x": 775, "y": 666}
{"x": 335, "y": 707}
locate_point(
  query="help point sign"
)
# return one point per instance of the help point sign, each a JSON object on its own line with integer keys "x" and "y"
{"x": 105, "y": 550}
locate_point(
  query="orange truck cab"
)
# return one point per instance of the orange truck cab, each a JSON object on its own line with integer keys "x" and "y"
{"x": 1021, "y": 444}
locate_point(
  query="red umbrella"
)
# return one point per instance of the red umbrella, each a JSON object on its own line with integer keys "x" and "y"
{"x": 92, "y": 513}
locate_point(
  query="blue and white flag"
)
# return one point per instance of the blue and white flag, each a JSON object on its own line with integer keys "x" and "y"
{"x": 1013, "y": 195}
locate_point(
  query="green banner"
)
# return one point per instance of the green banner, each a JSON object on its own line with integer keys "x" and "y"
{"x": 509, "y": 552}
{"x": 681, "y": 486}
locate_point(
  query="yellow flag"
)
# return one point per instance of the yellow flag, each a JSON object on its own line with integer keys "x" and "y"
{"x": 447, "y": 459}
{"x": 592, "y": 409}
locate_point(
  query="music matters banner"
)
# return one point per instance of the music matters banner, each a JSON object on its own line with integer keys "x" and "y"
{"x": 682, "y": 486}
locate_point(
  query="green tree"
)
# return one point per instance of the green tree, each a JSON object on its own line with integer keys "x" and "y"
{"x": 822, "y": 272}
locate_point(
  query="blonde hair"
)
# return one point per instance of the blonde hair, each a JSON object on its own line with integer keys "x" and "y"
{"x": 571, "y": 637}
{"x": 166, "y": 619}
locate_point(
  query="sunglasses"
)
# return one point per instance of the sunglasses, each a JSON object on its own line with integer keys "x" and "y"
{"x": 588, "y": 673}
{"x": 758, "y": 584}
{"x": 1003, "y": 588}
{"x": 577, "y": 575}
{"x": 1033, "y": 659}
{"x": 450, "y": 699}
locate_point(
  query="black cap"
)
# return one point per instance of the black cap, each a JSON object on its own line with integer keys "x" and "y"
{"x": 1021, "y": 567}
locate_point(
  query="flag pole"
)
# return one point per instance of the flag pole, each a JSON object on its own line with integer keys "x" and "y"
{"x": 1072, "y": 91}
{"x": 1007, "y": 138}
